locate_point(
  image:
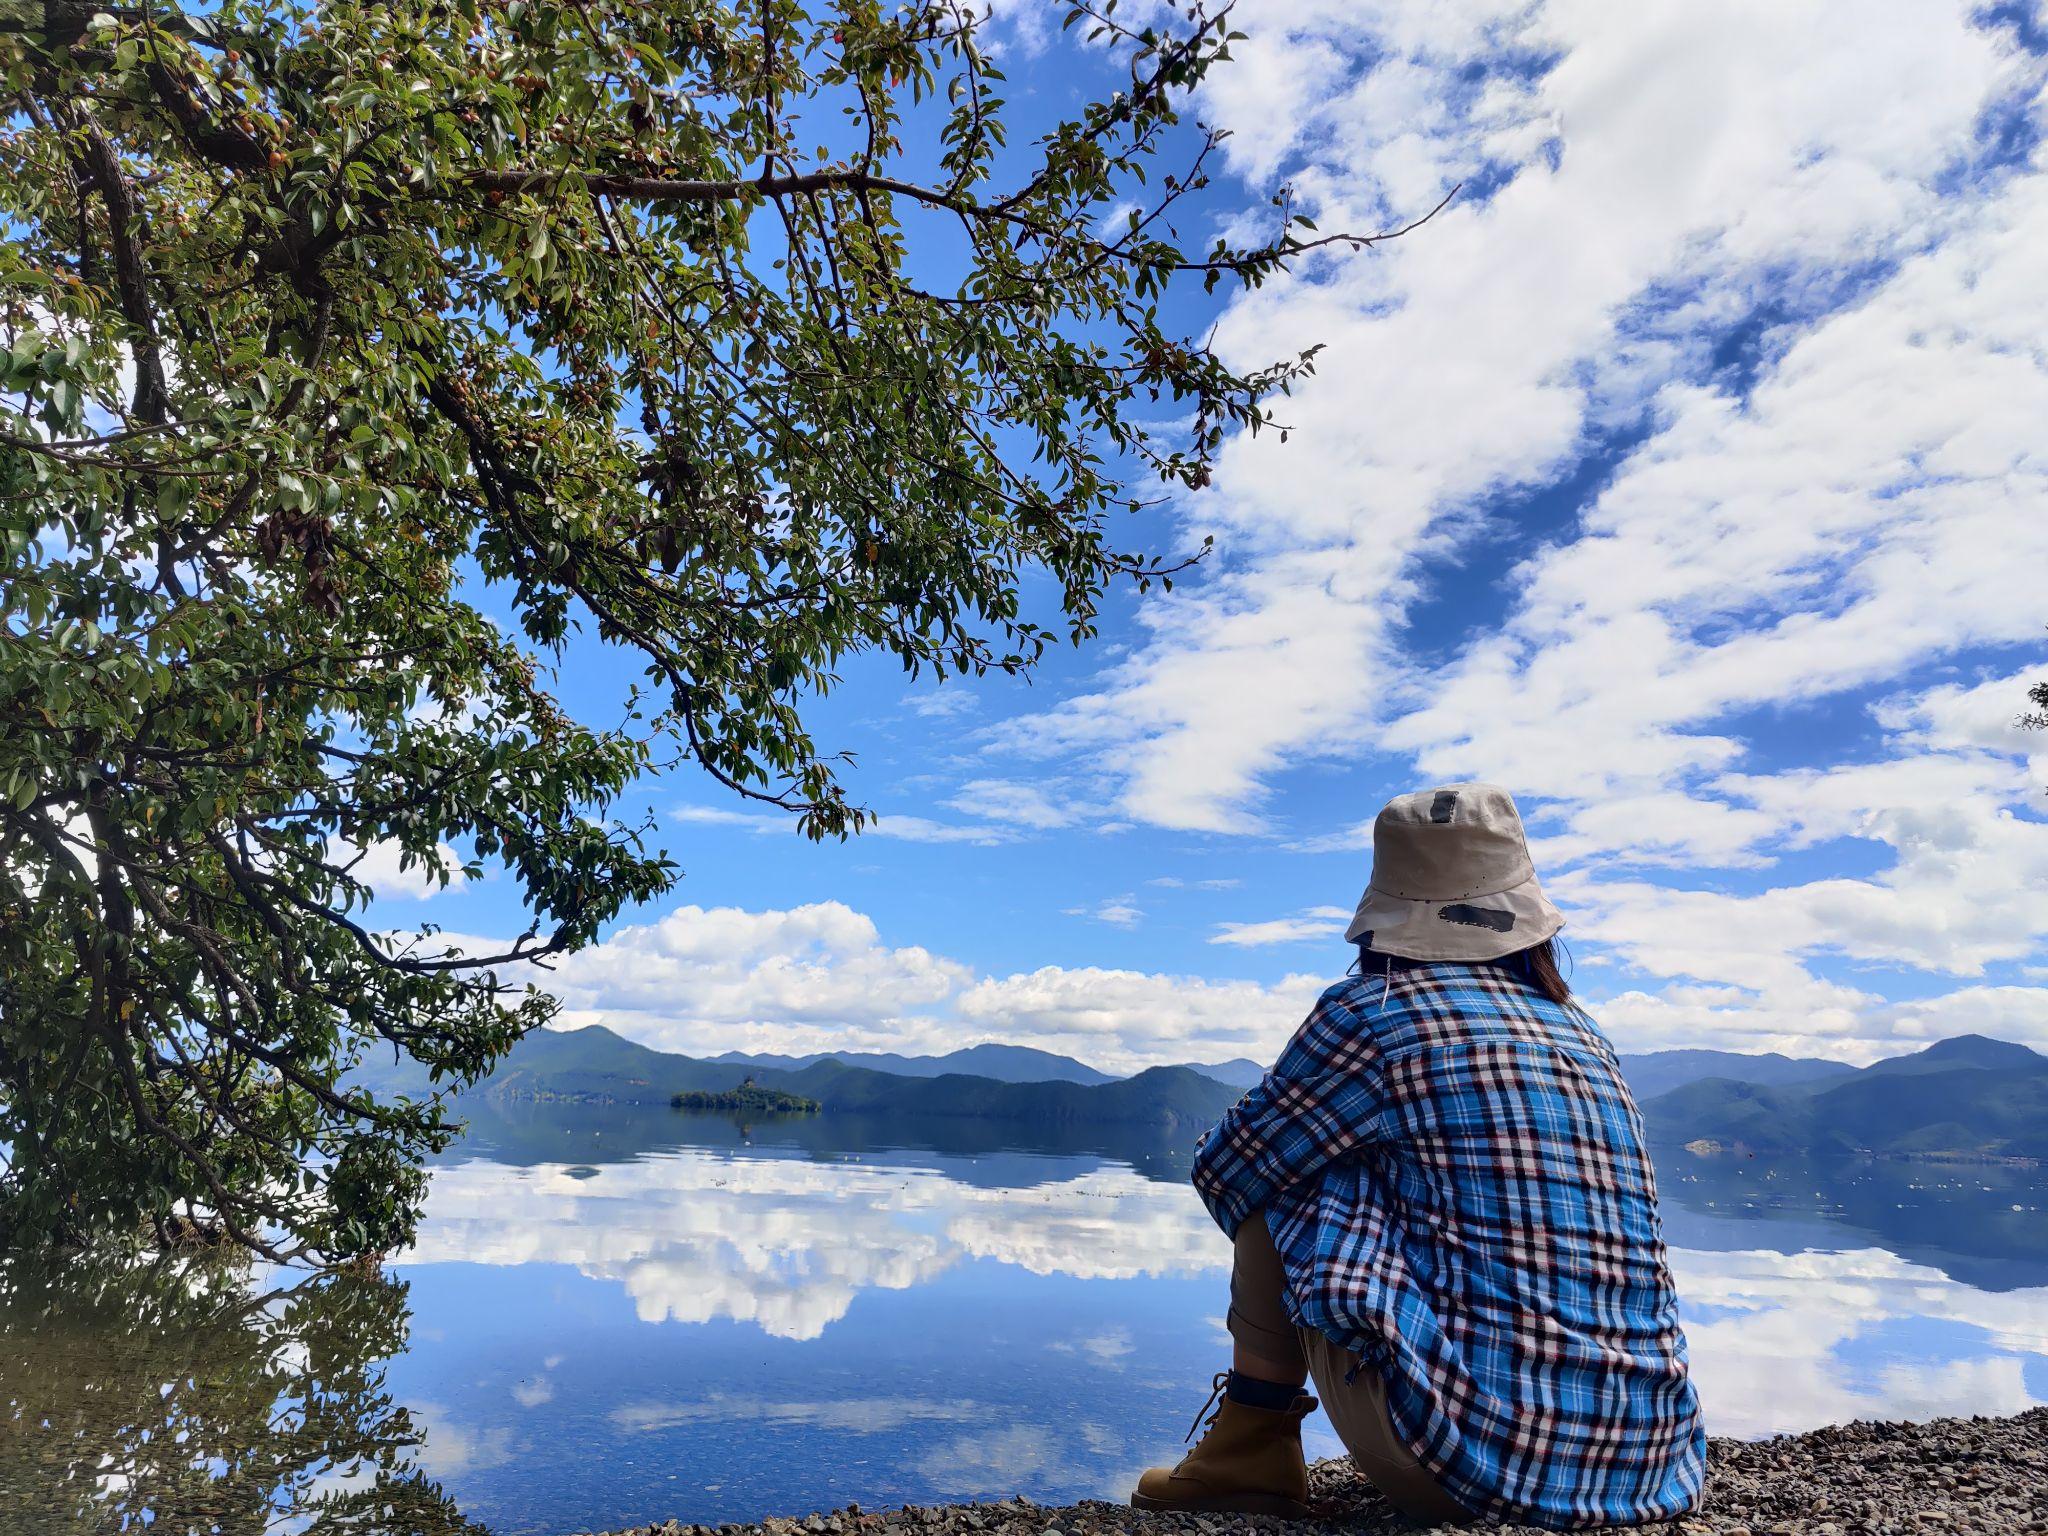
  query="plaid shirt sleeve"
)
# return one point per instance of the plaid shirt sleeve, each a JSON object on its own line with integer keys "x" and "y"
{"x": 1322, "y": 1099}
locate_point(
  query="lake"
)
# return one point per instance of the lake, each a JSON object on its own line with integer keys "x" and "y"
{"x": 623, "y": 1314}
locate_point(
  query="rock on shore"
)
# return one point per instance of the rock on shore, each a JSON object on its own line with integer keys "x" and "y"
{"x": 1950, "y": 1477}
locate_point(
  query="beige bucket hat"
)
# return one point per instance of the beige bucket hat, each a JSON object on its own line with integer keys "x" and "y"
{"x": 1451, "y": 879}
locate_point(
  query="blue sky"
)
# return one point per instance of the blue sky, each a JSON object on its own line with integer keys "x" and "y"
{"x": 1685, "y": 475}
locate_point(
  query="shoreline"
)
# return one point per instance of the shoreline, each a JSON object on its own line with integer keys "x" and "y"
{"x": 1944, "y": 1477}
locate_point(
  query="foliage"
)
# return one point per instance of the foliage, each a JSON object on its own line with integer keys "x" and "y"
{"x": 171, "y": 1396}
{"x": 355, "y": 356}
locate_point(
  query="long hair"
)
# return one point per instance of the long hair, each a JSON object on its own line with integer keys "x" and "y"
{"x": 1536, "y": 965}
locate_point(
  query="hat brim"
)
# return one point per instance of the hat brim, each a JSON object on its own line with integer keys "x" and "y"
{"x": 1475, "y": 928}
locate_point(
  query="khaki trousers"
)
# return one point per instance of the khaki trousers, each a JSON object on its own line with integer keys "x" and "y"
{"x": 1358, "y": 1407}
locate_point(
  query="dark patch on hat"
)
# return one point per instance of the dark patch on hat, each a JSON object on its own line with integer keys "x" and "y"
{"x": 1441, "y": 807}
{"x": 1468, "y": 916}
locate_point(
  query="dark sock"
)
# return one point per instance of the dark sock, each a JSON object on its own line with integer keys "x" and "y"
{"x": 1255, "y": 1393}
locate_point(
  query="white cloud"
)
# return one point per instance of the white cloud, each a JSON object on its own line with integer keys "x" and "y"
{"x": 942, "y": 703}
{"x": 1957, "y": 716}
{"x": 1343, "y": 840}
{"x": 1139, "y": 1017}
{"x": 1005, "y": 800}
{"x": 723, "y": 816}
{"x": 384, "y": 868}
{"x": 819, "y": 977}
{"x": 787, "y": 1244}
{"x": 908, "y": 829}
{"x": 1117, "y": 911}
{"x": 920, "y": 829}
{"x": 1731, "y": 969}
{"x": 1310, "y": 923}
{"x": 1827, "y": 532}
{"x": 1961, "y": 894}
{"x": 723, "y": 977}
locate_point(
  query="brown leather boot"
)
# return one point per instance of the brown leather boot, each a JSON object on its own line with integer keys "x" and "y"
{"x": 1248, "y": 1463}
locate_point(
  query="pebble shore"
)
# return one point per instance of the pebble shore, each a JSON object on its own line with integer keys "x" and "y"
{"x": 1950, "y": 1477}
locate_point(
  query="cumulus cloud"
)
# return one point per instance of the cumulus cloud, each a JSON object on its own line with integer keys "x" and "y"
{"x": 1139, "y": 1017}
{"x": 786, "y": 1245}
{"x": 723, "y": 977}
{"x": 1968, "y": 855}
{"x": 820, "y": 977}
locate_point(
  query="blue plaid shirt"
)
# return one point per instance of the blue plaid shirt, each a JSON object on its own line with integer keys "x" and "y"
{"x": 1453, "y": 1173}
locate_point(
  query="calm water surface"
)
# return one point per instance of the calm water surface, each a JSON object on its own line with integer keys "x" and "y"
{"x": 621, "y": 1315}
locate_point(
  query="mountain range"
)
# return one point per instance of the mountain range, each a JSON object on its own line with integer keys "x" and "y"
{"x": 1966, "y": 1096}
{"x": 1655, "y": 1073}
{"x": 1969, "y": 1095}
{"x": 593, "y": 1064}
{"x": 1002, "y": 1063}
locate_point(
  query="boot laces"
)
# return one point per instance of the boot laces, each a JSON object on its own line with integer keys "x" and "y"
{"x": 1215, "y": 1391}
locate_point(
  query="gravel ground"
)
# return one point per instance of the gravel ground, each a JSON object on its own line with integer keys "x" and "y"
{"x": 1945, "y": 1478}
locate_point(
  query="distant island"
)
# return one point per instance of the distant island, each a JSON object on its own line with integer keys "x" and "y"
{"x": 748, "y": 1098}
{"x": 1966, "y": 1097}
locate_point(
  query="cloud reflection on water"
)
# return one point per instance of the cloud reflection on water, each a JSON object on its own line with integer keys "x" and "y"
{"x": 1780, "y": 1340}
{"x": 787, "y": 1244}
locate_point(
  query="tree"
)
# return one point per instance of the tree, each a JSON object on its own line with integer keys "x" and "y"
{"x": 358, "y": 355}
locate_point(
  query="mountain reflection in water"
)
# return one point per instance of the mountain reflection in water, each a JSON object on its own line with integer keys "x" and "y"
{"x": 628, "y": 1314}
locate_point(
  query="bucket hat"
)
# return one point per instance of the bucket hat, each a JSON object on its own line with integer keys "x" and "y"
{"x": 1451, "y": 879}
